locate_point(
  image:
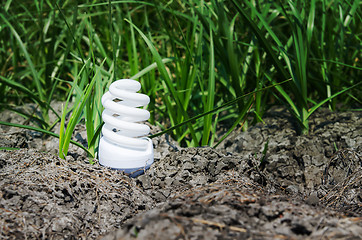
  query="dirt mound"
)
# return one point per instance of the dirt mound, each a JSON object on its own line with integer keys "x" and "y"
{"x": 234, "y": 207}
{"x": 304, "y": 187}
{"x": 43, "y": 196}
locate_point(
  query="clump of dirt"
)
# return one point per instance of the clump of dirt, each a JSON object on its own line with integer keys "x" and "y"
{"x": 293, "y": 159}
{"x": 234, "y": 207}
{"x": 342, "y": 178}
{"x": 43, "y": 196}
{"x": 305, "y": 187}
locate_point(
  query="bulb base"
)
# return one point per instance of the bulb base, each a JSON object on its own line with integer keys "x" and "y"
{"x": 133, "y": 162}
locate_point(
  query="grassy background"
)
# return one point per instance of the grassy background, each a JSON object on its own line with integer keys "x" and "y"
{"x": 203, "y": 63}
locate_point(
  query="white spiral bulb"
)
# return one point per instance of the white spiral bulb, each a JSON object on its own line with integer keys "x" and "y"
{"x": 123, "y": 145}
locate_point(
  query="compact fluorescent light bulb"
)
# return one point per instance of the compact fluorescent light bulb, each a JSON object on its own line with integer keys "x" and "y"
{"x": 123, "y": 144}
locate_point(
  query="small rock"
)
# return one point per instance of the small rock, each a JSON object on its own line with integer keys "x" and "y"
{"x": 313, "y": 199}
{"x": 292, "y": 189}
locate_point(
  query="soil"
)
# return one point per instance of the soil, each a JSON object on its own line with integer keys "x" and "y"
{"x": 265, "y": 183}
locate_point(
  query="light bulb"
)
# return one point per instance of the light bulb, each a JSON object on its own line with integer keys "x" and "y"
{"x": 123, "y": 144}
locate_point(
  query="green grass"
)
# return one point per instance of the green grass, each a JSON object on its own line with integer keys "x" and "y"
{"x": 204, "y": 64}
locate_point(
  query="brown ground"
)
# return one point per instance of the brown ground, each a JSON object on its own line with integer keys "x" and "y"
{"x": 308, "y": 187}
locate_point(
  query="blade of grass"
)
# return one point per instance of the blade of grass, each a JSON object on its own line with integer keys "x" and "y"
{"x": 216, "y": 109}
{"x": 74, "y": 118}
{"x": 150, "y": 68}
{"x": 28, "y": 58}
{"x": 315, "y": 107}
{"x": 62, "y": 130}
{"x": 9, "y": 148}
{"x": 112, "y": 39}
{"x": 209, "y": 104}
{"x": 242, "y": 115}
{"x": 167, "y": 79}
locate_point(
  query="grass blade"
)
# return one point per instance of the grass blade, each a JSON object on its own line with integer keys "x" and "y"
{"x": 28, "y": 58}
{"x": 164, "y": 73}
{"x": 227, "y": 104}
{"x": 209, "y": 104}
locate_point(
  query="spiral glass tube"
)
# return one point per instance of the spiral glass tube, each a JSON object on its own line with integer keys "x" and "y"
{"x": 123, "y": 144}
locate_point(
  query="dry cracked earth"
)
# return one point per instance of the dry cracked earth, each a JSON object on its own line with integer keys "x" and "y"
{"x": 304, "y": 187}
